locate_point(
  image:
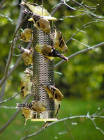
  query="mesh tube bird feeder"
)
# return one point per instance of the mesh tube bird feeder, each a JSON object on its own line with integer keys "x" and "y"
{"x": 43, "y": 74}
{"x": 46, "y": 97}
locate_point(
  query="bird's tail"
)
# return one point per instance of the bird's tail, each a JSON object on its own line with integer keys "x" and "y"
{"x": 20, "y": 105}
{"x": 27, "y": 12}
{"x": 57, "y": 54}
{"x": 63, "y": 57}
{"x": 36, "y": 17}
{"x": 16, "y": 38}
{"x": 21, "y": 48}
{"x": 23, "y": 3}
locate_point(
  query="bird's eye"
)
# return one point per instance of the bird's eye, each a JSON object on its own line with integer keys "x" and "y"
{"x": 23, "y": 115}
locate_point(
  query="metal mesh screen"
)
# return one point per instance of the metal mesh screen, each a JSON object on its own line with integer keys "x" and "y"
{"x": 43, "y": 73}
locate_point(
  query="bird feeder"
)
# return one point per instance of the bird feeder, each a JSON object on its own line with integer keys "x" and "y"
{"x": 43, "y": 68}
{"x": 43, "y": 74}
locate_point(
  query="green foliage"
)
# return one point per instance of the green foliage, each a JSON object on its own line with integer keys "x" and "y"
{"x": 82, "y": 76}
{"x": 80, "y": 128}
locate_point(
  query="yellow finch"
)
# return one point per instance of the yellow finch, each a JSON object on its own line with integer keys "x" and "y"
{"x": 35, "y": 106}
{"x": 57, "y": 107}
{"x": 37, "y": 9}
{"x": 53, "y": 92}
{"x": 39, "y": 21}
{"x": 25, "y": 35}
{"x": 59, "y": 42}
{"x": 26, "y": 113}
{"x": 26, "y": 85}
{"x": 27, "y": 55}
{"x": 49, "y": 52}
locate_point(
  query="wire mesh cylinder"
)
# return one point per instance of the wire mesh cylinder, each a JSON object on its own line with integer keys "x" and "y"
{"x": 43, "y": 74}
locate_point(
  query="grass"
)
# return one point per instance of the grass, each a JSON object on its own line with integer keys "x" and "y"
{"x": 80, "y": 128}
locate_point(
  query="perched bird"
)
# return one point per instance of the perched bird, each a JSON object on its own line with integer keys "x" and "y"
{"x": 59, "y": 42}
{"x": 49, "y": 52}
{"x": 53, "y": 92}
{"x": 37, "y": 9}
{"x": 57, "y": 107}
{"x": 39, "y": 21}
{"x": 26, "y": 113}
{"x": 26, "y": 85}
{"x": 35, "y": 106}
{"x": 25, "y": 35}
{"x": 27, "y": 55}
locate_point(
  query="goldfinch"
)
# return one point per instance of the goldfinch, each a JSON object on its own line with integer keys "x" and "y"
{"x": 26, "y": 113}
{"x": 37, "y": 9}
{"x": 57, "y": 107}
{"x": 26, "y": 85}
{"x": 35, "y": 106}
{"x": 53, "y": 92}
{"x": 59, "y": 42}
{"x": 25, "y": 35}
{"x": 39, "y": 21}
{"x": 49, "y": 52}
{"x": 27, "y": 55}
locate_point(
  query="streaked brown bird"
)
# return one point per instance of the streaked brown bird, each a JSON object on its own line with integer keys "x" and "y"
{"x": 35, "y": 106}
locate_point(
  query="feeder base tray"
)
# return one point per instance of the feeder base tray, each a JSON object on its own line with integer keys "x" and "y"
{"x": 45, "y": 119}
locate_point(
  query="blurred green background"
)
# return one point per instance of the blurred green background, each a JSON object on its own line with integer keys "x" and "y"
{"x": 81, "y": 79}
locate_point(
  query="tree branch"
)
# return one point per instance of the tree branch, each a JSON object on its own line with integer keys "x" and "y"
{"x": 83, "y": 26}
{"x": 8, "y": 18}
{"x": 34, "y": 134}
{"x": 10, "y": 55}
{"x": 64, "y": 119}
{"x": 2, "y": 91}
{"x": 62, "y": 2}
{"x": 15, "y": 114}
{"x": 56, "y": 9}
{"x": 8, "y": 107}
{"x": 10, "y": 98}
{"x": 87, "y": 11}
{"x": 14, "y": 67}
{"x": 17, "y": 62}
{"x": 79, "y": 52}
{"x": 2, "y": 3}
{"x": 68, "y": 130}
